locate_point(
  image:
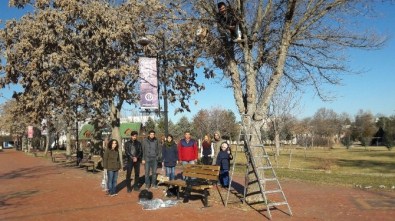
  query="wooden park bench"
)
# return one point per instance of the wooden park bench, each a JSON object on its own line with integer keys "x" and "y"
{"x": 92, "y": 163}
{"x": 59, "y": 157}
{"x": 203, "y": 178}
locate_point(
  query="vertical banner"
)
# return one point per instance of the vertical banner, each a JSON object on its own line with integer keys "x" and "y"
{"x": 44, "y": 127}
{"x": 30, "y": 132}
{"x": 148, "y": 83}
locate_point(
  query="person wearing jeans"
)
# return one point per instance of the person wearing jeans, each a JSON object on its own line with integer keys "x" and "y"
{"x": 112, "y": 164}
{"x": 187, "y": 150}
{"x": 133, "y": 152}
{"x": 223, "y": 160}
{"x": 151, "y": 155}
{"x": 112, "y": 182}
{"x": 170, "y": 156}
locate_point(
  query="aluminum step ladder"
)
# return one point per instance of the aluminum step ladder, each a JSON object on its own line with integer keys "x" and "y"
{"x": 260, "y": 165}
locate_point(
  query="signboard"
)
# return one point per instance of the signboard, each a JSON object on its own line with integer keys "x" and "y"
{"x": 148, "y": 83}
{"x": 30, "y": 132}
{"x": 44, "y": 127}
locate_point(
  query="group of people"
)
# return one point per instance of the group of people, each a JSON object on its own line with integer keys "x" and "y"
{"x": 151, "y": 151}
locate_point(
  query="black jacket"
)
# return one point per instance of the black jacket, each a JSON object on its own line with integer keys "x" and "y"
{"x": 170, "y": 154}
{"x": 223, "y": 160}
{"x": 133, "y": 149}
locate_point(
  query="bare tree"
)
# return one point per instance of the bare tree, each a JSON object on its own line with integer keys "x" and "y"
{"x": 300, "y": 41}
{"x": 283, "y": 104}
{"x": 327, "y": 126}
{"x": 216, "y": 119}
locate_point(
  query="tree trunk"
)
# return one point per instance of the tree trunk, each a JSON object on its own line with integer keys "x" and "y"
{"x": 68, "y": 141}
{"x": 277, "y": 142}
{"x": 47, "y": 144}
{"x": 115, "y": 134}
{"x": 253, "y": 190}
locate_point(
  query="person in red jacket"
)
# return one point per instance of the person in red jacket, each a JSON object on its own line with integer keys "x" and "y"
{"x": 187, "y": 150}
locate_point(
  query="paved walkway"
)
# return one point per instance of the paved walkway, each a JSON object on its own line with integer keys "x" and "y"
{"x": 34, "y": 188}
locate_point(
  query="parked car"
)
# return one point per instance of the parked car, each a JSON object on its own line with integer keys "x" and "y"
{"x": 8, "y": 144}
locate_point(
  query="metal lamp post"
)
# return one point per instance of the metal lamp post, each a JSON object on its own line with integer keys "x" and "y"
{"x": 182, "y": 68}
{"x": 144, "y": 42}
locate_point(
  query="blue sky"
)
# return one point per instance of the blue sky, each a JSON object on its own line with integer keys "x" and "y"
{"x": 373, "y": 90}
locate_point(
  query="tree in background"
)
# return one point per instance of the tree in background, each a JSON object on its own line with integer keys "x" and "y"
{"x": 284, "y": 102}
{"x": 208, "y": 121}
{"x": 346, "y": 130}
{"x": 181, "y": 126}
{"x": 326, "y": 126}
{"x": 388, "y": 126}
{"x": 364, "y": 127}
{"x": 11, "y": 123}
{"x": 150, "y": 125}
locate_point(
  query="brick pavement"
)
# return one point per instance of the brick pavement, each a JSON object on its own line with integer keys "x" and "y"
{"x": 34, "y": 188}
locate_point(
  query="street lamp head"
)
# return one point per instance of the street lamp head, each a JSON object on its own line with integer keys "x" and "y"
{"x": 144, "y": 41}
{"x": 182, "y": 67}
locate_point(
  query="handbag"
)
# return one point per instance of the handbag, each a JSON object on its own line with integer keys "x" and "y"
{"x": 104, "y": 181}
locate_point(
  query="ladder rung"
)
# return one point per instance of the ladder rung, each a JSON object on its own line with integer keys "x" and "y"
{"x": 272, "y": 191}
{"x": 264, "y": 168}
{"x": 277, "y": 203}
{"x": 269, "y": 179}
{"x": 266, "y": 156}
{"x": 257, "y": 145}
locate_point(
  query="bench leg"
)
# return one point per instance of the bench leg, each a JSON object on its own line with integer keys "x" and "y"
{"x": 178, "y": 193}
{"x": 205, "y": 198}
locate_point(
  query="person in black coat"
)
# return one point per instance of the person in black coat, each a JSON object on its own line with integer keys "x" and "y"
{"x": 134, "y": 154}
{"x": 151, "y": 155}
{"x": 223, "y": 160}
{"x": 170, "y": 156}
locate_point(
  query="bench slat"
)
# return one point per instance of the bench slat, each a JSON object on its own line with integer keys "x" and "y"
{"x": 207, "y": 172}
{"x": 199, "y": 175}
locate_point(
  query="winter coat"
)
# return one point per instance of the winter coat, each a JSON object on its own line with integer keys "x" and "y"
{"x": 111, "y": 160}
{"x": 170, "y": 154}
{"x": 187, "y": 151}
{"x": 223, "y": 160}
{"x": 217, "y": 147}
{"x": 151, "y": 149}
{"x": 133, "y": 148}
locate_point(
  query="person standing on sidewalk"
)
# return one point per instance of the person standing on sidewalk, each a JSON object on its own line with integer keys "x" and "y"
{"x": 170, "y": 156}
{"x": 216, "y": 142}
{"x": 187, "y": 149}
{"x": 151, "y": 155}
{"x": 223, "y": 160}
{"x": 112, "y": 164}
{"x": 207, "y": 150}
{"x": 134, "y": 153}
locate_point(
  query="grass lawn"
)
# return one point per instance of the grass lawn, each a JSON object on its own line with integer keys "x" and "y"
{"x": 372, "y": 167}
